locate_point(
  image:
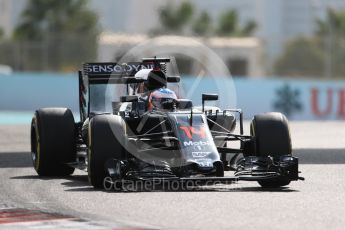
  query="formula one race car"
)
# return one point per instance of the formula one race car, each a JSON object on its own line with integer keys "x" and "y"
{"x": 134, "y": 128}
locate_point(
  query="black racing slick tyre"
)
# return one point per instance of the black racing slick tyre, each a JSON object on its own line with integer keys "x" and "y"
{"x": 272, "y": 138}
{"x": 53, "y": 136}
{"x": 107, "y": 136}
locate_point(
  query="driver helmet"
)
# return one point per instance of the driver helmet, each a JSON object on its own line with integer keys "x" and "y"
{"x": 162, "y": 99}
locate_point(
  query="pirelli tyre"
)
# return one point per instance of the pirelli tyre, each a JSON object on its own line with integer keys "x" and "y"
{"x": 272, "y": 138}
{"x": 107, "y": 137}
{"x": 53, "y": 135}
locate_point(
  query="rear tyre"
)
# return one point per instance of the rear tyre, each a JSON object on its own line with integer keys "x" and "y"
{"x": 272, "y": 137}
{"x": 53, "y": 135}
{"x": 107, "y": 135}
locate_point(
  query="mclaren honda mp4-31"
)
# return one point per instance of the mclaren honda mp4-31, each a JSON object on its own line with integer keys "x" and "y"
{"x": 133, "y": 127}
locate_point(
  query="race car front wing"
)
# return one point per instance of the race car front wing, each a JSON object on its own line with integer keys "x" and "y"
{"x": 251, "y": 168}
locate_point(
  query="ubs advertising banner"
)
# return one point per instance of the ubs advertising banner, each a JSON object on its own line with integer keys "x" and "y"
{"x": 297, "y": 99}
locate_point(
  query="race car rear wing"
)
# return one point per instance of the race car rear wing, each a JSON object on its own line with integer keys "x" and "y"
{"x": 114, "y": 73}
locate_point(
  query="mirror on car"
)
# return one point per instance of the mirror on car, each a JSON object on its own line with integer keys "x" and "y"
{"x": 129, "y": 98}
{"x": 173, "y": 79}
{"x": 209, "y": 97}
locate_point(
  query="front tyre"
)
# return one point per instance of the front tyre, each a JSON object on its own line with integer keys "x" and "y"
{"x": 53, "y": 135}
{"x": 272, "y": 137}
{"x": 107, "y": 136}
